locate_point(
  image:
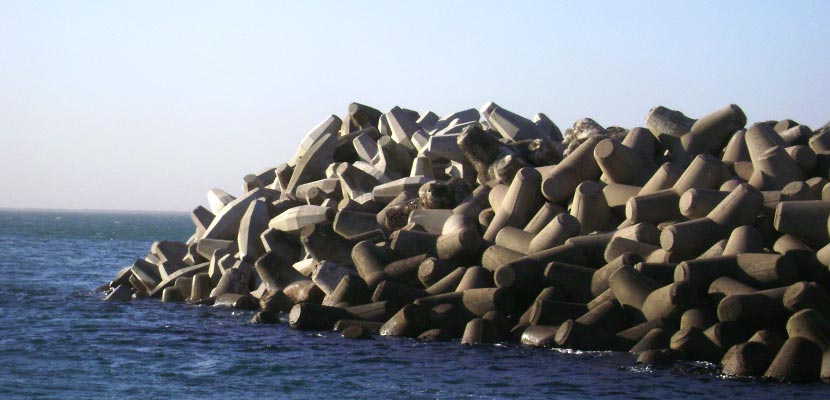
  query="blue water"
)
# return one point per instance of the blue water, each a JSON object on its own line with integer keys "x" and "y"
{"x": 60, "y": 341}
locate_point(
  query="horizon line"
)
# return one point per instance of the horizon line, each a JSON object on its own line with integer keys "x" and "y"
{"x": 89, "y": 210}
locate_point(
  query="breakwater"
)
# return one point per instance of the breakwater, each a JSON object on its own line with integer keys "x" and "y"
{"x": 696, "y": 239}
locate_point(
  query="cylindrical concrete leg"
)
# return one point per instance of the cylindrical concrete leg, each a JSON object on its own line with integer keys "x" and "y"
{"x": 410, "y": 321}
{"x": 799, "y": 360}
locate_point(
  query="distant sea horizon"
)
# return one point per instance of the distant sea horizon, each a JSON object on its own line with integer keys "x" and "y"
{"x": 92, "y": 210}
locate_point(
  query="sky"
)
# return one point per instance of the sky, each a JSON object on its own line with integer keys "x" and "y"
{"x": 146, "y": 105}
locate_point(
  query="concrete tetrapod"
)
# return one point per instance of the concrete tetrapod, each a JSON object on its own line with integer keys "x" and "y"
{"x": 693, "y": 239}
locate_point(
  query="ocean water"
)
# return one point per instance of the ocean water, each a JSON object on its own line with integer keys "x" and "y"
{"x": 60, "y": 341}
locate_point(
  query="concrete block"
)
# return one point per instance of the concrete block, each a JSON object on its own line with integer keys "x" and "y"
{"x": 389, "y": 290}
{"x": 369, "y": 259}
{"x": 750, "y": 359}
{"x": 363, "y": 116}
{"x": 185, "y": 285}
{"x": 422, "y": 166}
{"x": 444, "y": 146}
{"x": 736, "y": 149}
{"x": 617, "y": 196}
{"x": 660, "y": 272}
{"x": 313, "y": 161}
{"x": 711, "y": 132}
{"x": 515, "y": 239}
{"x": 655, "y": 339}
{"x": 327, "y": 275}
{"x": 354, "y": 182}
{"x": 621, "y": 164}
{"x": 304, "y": 291}
{"x": 386, "y": 192}
{"x": 661, "y": 120}
{"x": 393, "y": 159}
{"x": 799, "y": 360}
{"x": 365, "y": 146}
{"x": 601, "y": 276}
{"x": 704, "y": 172}
{"x": 427, "y": 121}
{"x": 608, "y": 316}
{"x": 631, "y": 287}
{"x": 402, "y": 127}
{"x": 201, "y": 218}
{"x": 219, "y": 263}
{"x": 543, "y": 217}
{"x": 539, "y": 336}
{"x": 432, "y": 270}
{"x": 495, "y": 256}
{"x": 225, "y": 225}
{"x": 378, "y": 311}
{"x": 525, "y": 276}
{"x": 643, "y": 142}
{"x": 297, "y": 218}
{"x": 371, "y": 327}
{"x": 350, "y": 291}
{"x": 234, "y": 280}
{"x": 121, "y": 292}
{"x": 512, "y": 126}
{"x": 803, "y": 156}
{"x": 410, "y": 321}
{"x": 547, "y": 127}
{"x": 519, "y": 205}
{"x": 591, "y": 210}
{"x": 283, "y": 176}
{"x": 727, "y": 334}
{"x": 794, "y": 135}
{"x": 172, "y": 295}
{"x": 356, "y": 226}
{"x": 147, "y": 274}
{"x": 251, "y": 182}
{"x": 201, "y": 287}
{"x": 253, "y": 223}
{"x": 654, "y": 208}
{"x": 574, "y": 335}
{"x": 798, "y": 218}
{"x": 404, "y": 271}
{"x": 573, "y": 280}
{"x": 322, "y": 243}
{"x": 759, "y": 310}
{"x": 475, "y": 277}
{"x": 481, "y": 149}
{"x": 803, "y": 295}
{"x": 694, "y": 345}
{"x": 408, "y": 243}
{"x": 218, "y": 199}
{"x": 316, "y": 192}
{"x": 658, "y": 358}
{"x": 448, "y": 283}
{"x": 483, "y": 331}
{"x": 592, "y": 247}
{"x": 308, "y": 316}
{"x": 619, "y": 246}
{"x": 638, "y": 332}
{"x": 305, "y": 266}
{"x": 559, "y": 184}
{"x": 328, "y": 126}
{"x": 171, "y": 279}
{"x": 812, "y": 325}
{"x": 664, "y": 177}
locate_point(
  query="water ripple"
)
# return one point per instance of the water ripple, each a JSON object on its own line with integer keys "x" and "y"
{"x": 60, "y": 341}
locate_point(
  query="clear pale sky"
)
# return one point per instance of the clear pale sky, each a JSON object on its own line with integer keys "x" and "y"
{"x": 147, "y": 105}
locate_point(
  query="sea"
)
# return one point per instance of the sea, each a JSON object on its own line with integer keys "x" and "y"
{"x": 59, "y": 340}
